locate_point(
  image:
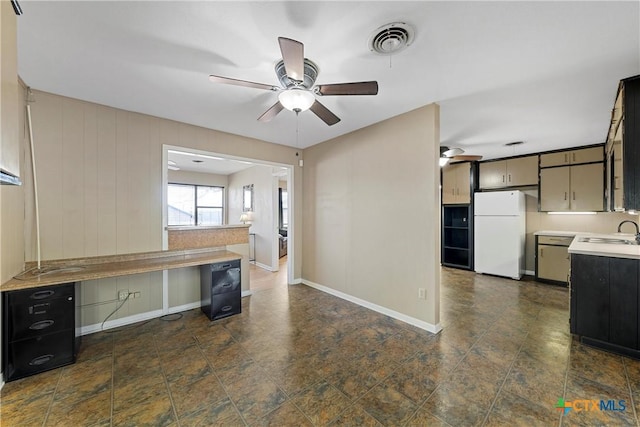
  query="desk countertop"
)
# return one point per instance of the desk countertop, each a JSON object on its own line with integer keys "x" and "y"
{"x": 55, "y": 272}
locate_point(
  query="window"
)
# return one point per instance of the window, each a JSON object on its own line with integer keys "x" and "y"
{"x": 195, "y": 204}
{"x": 284, "y": 208}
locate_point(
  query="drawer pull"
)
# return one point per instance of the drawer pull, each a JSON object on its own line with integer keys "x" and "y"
{"x": 39, "y": 308}
{"x": 41, "y": 360}
{"x": 226, "y": 308}
{"x": 42, "y": 294}
{"x": 43, "y": 324}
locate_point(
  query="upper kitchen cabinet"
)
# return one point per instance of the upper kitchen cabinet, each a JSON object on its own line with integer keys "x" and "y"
{"x": 623, "y": 148}
{"x": 9, "y": 97}
{"x": 513, "y": 172}
{"x": 573, "y": 188}
{"x": 456, "y": 183}
{"x": 571, "y": 157}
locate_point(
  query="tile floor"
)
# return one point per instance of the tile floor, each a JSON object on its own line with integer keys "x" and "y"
{"x": 297, "y": 356}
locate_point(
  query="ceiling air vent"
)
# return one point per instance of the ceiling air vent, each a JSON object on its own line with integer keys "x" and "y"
{"x": 391, "y": 38}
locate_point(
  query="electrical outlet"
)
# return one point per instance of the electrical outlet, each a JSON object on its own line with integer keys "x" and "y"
{"x": 122, "y": 295}
{"x": 422, "y": 293}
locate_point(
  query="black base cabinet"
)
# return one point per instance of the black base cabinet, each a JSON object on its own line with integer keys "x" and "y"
{"x": 220, "y": 289}
{"x": 605, "y": 302}
{"x": 40, "y": 329}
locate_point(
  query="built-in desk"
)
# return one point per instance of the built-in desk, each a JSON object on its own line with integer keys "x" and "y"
{"x": 79, "y": 269}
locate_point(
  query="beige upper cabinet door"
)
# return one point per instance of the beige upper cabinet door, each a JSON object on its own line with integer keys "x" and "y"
{"x": 448, "y": 184}
{"x": 553, "y": 263}
{"x": 572, "y": 157}
{"x": 554, "y": 189}
{"x": 522, "y": 171}
{"x": 587, "y": 155}
{"x": 555, "y": 159}
{"x": 493, "y": 174}
{"x": 463, "y": 183}
{"x": 587, "y": 187}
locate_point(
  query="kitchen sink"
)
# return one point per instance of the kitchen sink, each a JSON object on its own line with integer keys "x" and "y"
{"x": 607, "y": 240}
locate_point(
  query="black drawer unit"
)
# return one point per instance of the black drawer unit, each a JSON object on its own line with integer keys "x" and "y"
{"x": 220, "y": 289}
{"x": 40, "y": 329}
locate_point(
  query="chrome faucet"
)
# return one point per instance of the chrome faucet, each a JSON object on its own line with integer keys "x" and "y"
{"x": 635, "y": 225}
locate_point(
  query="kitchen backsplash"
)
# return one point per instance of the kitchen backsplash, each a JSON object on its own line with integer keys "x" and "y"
{"x": 602, "y": 222}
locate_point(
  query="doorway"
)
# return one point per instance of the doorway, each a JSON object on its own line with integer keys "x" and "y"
{"x": 266, "y": 179}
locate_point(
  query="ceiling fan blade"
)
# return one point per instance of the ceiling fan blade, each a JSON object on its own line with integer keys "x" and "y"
{"x": 293, "y": 57}
{"x": 452, "y": 152}
{"x": 323, "y": 112}
{"x": 273, "y": 111}
{"x": 356, "y": 88}
{"x": 244, "y": 83}
{"x": 464, "y": 157}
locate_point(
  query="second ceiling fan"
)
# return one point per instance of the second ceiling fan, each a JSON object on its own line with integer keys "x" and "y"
{"x": 297, "y": 76}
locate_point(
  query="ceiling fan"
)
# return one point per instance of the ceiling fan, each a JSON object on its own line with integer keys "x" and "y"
{"x": 456, "y": 154}
{"x": 297, "y": 76}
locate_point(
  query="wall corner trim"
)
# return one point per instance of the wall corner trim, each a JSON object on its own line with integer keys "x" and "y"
{"x": 429, "y": 327}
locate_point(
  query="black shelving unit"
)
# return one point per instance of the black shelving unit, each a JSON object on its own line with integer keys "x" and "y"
{"x": 457, "y": 236}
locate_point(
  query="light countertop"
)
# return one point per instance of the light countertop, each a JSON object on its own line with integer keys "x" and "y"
{"x": 205, "y": 227}
{"x": 56, "y": 272}
{"x": 605, "y": 249}
{"x": 557, "y": 233}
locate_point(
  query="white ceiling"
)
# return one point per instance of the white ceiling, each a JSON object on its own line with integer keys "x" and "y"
{"x": 540, "y": 72}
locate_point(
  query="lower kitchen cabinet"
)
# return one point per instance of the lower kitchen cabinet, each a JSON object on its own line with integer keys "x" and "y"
{"x": 220, "y": 289}
{"x": 605, "y": 302}
{"x": 552, "y": 259}
{"x": 39, "y": 329}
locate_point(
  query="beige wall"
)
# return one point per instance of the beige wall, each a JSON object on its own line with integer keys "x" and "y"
{"x": 100, "y": 175}
{"x": 262, "y": 216}
{"x": 602, "y": 222}
{"x": 371, "y": 214}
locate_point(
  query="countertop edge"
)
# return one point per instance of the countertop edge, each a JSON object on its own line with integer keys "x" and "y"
{"x": 163, "y": 260}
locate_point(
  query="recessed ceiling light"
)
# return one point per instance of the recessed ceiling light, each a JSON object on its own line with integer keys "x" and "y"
{"x": 197, "y": 161}
{"x": 509, "y": 144}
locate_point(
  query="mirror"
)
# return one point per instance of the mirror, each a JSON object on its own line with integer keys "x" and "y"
{"x": 247, "y": 198}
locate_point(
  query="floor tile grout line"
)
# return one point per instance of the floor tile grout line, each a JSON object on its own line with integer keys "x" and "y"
{"x": 53, "y": 395}
{"x": 566, "y": 380}
{"x": 166, "y": 384}
{"x": 113, "y": 376}
{"x": 450, "y": 373}
{"x": 633, "y": 406}
{"x": 504, "y": 380}
{"x": 213, "y": 371}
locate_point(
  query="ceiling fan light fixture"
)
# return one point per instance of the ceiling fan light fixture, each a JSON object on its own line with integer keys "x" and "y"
{"x": 295, "y": 99}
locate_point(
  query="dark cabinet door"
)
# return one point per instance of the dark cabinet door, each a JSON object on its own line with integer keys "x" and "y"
{"x": 590, "y": 288}
{"x": 623, "y": 281}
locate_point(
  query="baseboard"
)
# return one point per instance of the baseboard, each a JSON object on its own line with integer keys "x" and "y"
{"x": 184, "y": 307}
{"x": 264, "y": 266}
{"x": 296, "y": 282}
{"x": 529, "y": 273}
{"x": 429, "y": 327}
{"x": 246, "y": 293}
{"x": 90, "y": 329}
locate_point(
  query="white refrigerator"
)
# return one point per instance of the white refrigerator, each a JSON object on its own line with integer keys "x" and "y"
{"x": 499, "y": 233}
